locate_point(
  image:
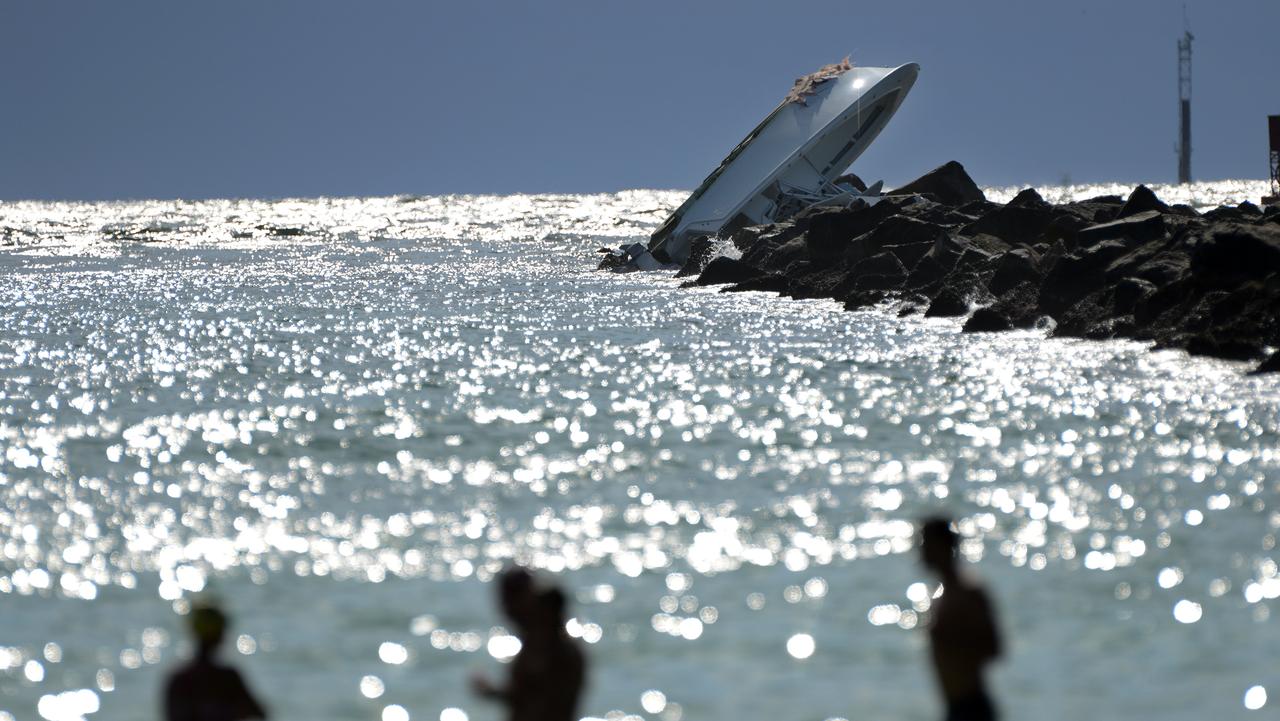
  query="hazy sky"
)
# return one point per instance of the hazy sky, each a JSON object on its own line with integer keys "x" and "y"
{"x": 130, "y": 99}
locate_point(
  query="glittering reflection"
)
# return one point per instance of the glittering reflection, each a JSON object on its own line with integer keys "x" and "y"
{"x": 370, "y": 406}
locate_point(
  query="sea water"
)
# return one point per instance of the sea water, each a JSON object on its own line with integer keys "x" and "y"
{"x": 343, "y": 417}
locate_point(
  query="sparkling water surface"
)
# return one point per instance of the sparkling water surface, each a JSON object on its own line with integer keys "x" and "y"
{"x": 343, "y": 416}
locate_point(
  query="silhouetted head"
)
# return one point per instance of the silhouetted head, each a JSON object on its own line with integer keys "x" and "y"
{"x": 553, "y": 605}
{"x": 938, "y": 544}
{"x": 517, "y": 596}
{"x": 208, "y": 625}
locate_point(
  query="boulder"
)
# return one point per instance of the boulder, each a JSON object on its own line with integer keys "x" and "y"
{"x": 949, "y": 183}
{"x": 1076, "y": 275}
{"x": 1208, "y": 344}
{"x": 1141, "y": 200}
{"x": 700, "y": 250}
{"x": 1144, "y": 226}
{"x": 1128, "y": 292}
{"x": 986, "y": 320}
{"x": 1016, "y": 224}
{"x": 1019, "y": 305}
{"x": 898, "y": 230}
{"x": 770, "y": 283}
{"x": 829, "y": 233}
{"x": 1028, "y": 198}
{"x": 1270, "y": 365}
{"x": 1223, "y": 214}
{"x": 1020, "y": 265}
{"x": 722, "y": 270}
{"x": 949, "y": 303}
{"x": 1233, "y": 252}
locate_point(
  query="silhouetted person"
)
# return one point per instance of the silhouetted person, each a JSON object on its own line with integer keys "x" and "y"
{"x": 549, "y": 672}
{"x": 962, "y": 632}
{"x": 204, "y": 689}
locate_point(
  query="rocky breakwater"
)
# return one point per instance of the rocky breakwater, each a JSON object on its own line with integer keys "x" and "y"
{"x": 1106, "y": 267}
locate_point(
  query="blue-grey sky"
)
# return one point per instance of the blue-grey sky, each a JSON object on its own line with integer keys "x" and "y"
{"x": 268, "y": 98}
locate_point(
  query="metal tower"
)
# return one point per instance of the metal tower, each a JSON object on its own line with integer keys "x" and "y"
{"x": 1184, "y": 104}
{"x": 1273, "y": 131}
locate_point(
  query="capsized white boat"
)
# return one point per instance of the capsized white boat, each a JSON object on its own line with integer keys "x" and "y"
{"x": 793, "y": 158}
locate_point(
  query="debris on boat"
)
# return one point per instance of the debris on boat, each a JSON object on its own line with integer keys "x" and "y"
{"x": 793, "y": 160}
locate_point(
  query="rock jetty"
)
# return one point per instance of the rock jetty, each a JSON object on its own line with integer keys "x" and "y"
{"x": 1106, "y": 267}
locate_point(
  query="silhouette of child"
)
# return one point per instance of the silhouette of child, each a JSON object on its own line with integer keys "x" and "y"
{"x": 204, "y": 689}
{"x": 962, "y": 631}
{"x": 549, "y": 672}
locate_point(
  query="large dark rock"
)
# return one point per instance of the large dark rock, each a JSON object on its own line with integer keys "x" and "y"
{"x": 1020, "y": 265}
{"x": 1144, "y": 226}
{"x": 771, "y": 283}
{"x": 882, "y": 271}
{"x": 899, "y": 231}
{"x": 723, "y": 270}
{"x": 700, "y": 250}
{"x": 1235, "y": 252}
{"x": 1129, "y": 292}
{"x": 1019, "y": 305}
{"x": 1077, "y": 275}
{"x": 1209, "y": 345}
{"x": 948, "y": 183}
{"x": 1028, "y": 198}
{"x": 1270, "y": 365}
{"x": 1141, "y": 200}
{"x": 949, "y": 303}
{"x": 1016, "y": 224}
{"x": 829, "y": 233}
{"x": 986, "y": 320}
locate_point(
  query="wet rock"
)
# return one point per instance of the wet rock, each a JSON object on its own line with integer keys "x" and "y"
{"x": 722, "y": 270}
{"x": 1208, "y": 345}
{"x": 769, "y": 283}
{"x": 1141, "y": 200}
{"x": 949, "y": 183}
{"x": 949, "y": 303}
{"x": 616, "y": 262}
{"x": 1270, "y": 365}
{"x": 700, "y": 250}
{"x": 1019, "y": 305}
{"x": 986, "y": 320}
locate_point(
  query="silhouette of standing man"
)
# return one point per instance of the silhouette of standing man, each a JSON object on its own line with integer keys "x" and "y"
{"x": 204, "y": 689}
{"x": 962, "y": 632}
{"x": 549, "y": 672}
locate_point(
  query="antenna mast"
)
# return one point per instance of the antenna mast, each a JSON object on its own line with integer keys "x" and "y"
{"x": 1184, "y": 100}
